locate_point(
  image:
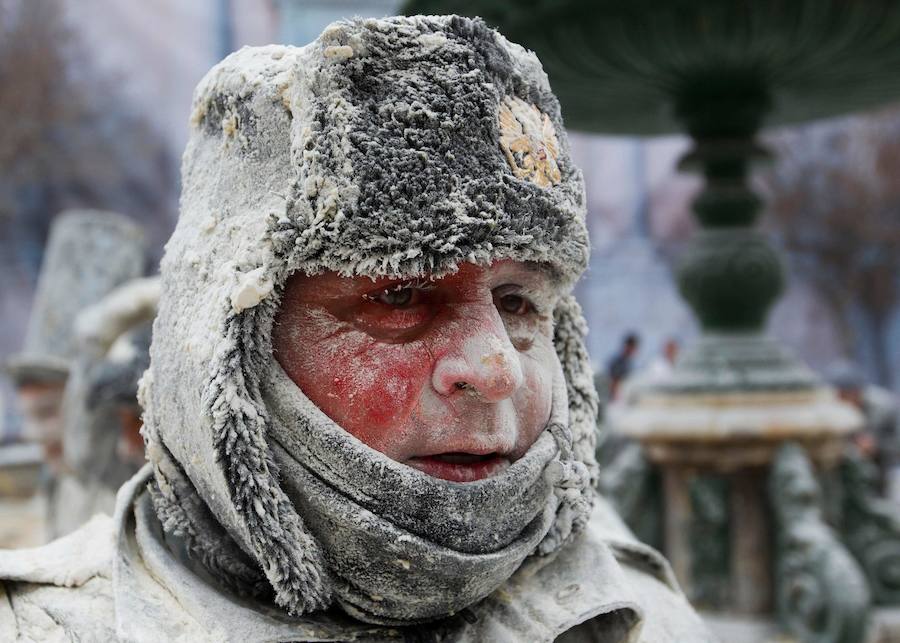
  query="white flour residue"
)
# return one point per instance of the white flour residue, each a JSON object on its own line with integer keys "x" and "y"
{"x": 252, "y": 288}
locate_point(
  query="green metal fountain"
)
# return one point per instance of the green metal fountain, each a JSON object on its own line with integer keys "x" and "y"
{"x": 740, "y": 420}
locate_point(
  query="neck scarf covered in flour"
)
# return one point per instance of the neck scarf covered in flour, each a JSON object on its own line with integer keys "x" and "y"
{"x": 400, "y": 545}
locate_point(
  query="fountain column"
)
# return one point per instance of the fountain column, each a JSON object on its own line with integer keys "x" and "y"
{"x": 735, "y": 395}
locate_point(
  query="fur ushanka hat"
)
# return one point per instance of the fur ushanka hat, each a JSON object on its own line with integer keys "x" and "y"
{"x": 393, "y": 147}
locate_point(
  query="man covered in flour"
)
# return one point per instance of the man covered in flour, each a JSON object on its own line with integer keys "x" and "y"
{"x": 369, "y": 412}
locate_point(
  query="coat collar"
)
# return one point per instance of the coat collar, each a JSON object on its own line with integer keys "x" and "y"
{"x": 158, "y": 592}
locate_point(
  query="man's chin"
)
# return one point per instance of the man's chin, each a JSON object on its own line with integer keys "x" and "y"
{"x": 460, "y": 467}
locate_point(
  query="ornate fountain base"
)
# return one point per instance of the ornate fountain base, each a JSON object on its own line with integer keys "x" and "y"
{"x": 712, "y": 431}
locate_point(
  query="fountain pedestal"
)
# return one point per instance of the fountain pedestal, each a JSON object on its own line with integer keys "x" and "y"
{"x": 709, "y": 420}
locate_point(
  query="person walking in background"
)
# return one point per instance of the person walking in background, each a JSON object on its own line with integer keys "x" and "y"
{"x": 622, "y": 363}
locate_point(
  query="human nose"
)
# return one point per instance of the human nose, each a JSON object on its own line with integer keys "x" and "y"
{"x": 487, "y": 365}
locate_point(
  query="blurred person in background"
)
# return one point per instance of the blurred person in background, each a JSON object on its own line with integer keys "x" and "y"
{"x": 621, "y": 364}
{"x": 880, "y": 438}
{"x": 88, "y": 254}
{"x": 40, "y": 402}
{"x": 661, "y": 367}
{"x": 102, "y": 443}
{"x": 657, "y": 371}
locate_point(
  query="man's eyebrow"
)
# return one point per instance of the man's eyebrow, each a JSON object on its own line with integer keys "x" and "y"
{"x": 538, "y": 269}
{"x": 542, "y": 268}
{"x": 337, "y": 288}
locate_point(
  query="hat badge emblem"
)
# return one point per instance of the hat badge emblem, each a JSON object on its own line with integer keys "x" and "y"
{"x": 528, "y": 140}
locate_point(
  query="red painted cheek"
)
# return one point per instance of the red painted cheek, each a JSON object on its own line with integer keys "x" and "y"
{"x": 382, "y": 398}
{"x": 368, "y": 388}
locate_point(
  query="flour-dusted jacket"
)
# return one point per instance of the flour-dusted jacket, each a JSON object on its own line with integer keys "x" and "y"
{"x": 118, "y": 580}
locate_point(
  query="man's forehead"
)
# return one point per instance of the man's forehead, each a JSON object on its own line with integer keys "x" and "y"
{"x": 536, "y": 274}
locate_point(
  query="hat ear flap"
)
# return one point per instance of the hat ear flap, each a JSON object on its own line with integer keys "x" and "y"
{"x": 570, "y": 329}
{"x": 574, "y": 475}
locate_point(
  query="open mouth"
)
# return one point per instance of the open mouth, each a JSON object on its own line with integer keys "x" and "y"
{"x": 460, "y": 467}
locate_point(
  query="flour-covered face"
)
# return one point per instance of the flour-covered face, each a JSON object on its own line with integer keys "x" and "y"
{"x": 452, "y": 376}
{"x": 41, "y": 407}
